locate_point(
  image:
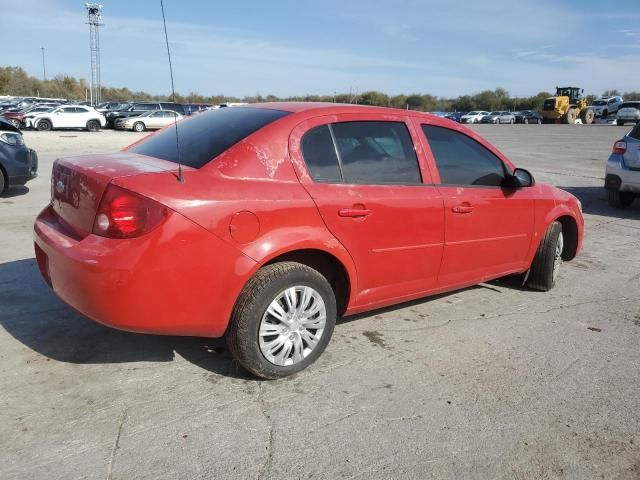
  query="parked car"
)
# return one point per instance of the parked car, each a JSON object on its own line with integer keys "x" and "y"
{"x": 455, "y": 116}
{"x": 105, "y": 107}
{"x": 284, "y": 216}
{"x": 499, "y": 117}
{"x": 191, "y": 108}
{"x": 473, "y": 117}
{"x": 528, "y": 116}
{"x": 622, "y": 173}
{"x": 603, "y": 107}
{"x": 135, "y": 109}
{"x": 17, "y": 118}
{"x": 18, "y": 163}
{"x": 67, "y": 116}
{"x": 629, "y": 112}
{"x": 148, "y": 121}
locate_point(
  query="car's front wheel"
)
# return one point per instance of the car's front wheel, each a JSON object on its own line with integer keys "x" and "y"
{"x": 93, "y": 125}
{"x": 282, "y": 321}
{"x": 546, "y": 264}
{"x": 139, "y": 127}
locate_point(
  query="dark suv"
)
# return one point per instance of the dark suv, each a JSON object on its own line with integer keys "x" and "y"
{"x": 135, "y": 109}
{"x": 18, "y": 163}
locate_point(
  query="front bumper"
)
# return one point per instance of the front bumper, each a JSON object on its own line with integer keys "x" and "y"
{"x": 178, "y": 279}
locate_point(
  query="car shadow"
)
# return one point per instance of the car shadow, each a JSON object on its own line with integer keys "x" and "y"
{"x": 32, "y": 314}
{"x": 594, "y": 202}
{"x": 15, "y": 191}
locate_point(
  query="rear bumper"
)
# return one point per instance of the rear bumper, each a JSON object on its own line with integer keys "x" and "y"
{"x": 177, "y": 280}
{"x": 619, "y": 177}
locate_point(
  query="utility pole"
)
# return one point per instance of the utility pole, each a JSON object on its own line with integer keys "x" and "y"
{"x": 44, "y": 68}
{"x": 94, "y": 16}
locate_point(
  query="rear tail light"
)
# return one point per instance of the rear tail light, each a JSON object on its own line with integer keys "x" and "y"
{"x": 620, "y": 147}
{"x": 125, "y": 214}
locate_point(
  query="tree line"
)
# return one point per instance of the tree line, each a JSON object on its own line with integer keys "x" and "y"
{"x": 15, "y": 81}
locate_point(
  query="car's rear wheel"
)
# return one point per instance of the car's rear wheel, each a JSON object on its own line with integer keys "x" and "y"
{"x": 3, "y": 183}
{"x": 619, "y": 122}
{"x": 282, "y": 321}
{"x": 546, "y": 264}
{"x": 93, "y": 125}
{"x": 620, "y": 199}
{"x": 44, "y": 125}
{"x": 139, "y": 127}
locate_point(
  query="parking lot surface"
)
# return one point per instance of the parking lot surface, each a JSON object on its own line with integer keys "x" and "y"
{"x": 494, "y": 381}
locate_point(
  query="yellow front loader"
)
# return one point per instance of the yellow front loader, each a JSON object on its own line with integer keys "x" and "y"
{"x": 566, "y": 106}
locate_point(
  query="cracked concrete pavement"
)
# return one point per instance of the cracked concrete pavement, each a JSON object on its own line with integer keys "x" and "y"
{"x": 493, "y": 381}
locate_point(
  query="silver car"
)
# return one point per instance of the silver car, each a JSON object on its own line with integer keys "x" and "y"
{"x": 499, "y": 117}
{"x": 622, "y": 174}
{"x": 629, "y": 112}
{"x": 151, "y": 120}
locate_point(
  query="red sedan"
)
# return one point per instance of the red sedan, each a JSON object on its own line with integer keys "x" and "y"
{"x": 287, "y": 215}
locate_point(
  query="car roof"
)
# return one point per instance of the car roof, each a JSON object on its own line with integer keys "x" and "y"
{"x": 323, "y": 108}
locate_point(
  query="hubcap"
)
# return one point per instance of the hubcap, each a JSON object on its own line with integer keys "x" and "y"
{"x": 292, "y": 325}
{"x": 557, "y": 261}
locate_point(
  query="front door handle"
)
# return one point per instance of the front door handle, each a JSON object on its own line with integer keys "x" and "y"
{"x": 354, "y": 212}
{"x": 462, "y": 209}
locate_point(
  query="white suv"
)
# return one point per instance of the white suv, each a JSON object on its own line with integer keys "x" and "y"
{"x": 629, "y": 112}
{"x": 603, "y": 107}
{"x": 68, "y": 116}
{"x": 473, "y": 117}
{"x": 622, "y": 174}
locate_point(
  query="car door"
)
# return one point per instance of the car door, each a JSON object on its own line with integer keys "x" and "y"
{"x": 488, "y": 227}
{"x": 63, "y": 118}
{"x": 81, "y": 117}
{"x": 155, "y": 120}
{"x": 375, "y": 196}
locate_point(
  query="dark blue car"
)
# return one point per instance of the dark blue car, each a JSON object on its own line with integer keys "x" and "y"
{"x": 455, "y": 116}
{"x": 18, "y": 163}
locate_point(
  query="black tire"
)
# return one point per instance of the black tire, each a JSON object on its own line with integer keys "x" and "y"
{"x": 541, "y": 273}
{"x": 619, "y": 123}
{"x": 3, "y": 183}
{"x": 605, "y": 114}
{"x": 587, "y": 116}
{"x": 139, "y": 127}
{"x": 618, "y": 199}
{"x": 93, "y": 126}
{"x": 44, "y": 126}
{"x": 266, "y": 285}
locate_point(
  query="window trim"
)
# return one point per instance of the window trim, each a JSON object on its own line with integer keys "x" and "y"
{"x": 339, "y": 156}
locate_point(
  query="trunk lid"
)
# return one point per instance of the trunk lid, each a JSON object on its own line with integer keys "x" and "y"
{"x": 77, "y": 183}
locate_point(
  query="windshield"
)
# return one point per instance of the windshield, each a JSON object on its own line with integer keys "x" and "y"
{"x": 473, "y": 113}
{"x": 597, "y": 103}
{"x": 207, "y": 135}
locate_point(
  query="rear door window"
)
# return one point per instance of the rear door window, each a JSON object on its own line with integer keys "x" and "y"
{"x": 376, "y": 153}
{"x": 463, "y": 161}
{"x": 204, "y": 137}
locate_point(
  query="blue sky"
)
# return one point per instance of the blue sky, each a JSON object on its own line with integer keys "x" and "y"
{"x": 446, "y": 48}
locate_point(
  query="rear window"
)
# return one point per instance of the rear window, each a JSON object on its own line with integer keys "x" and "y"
{"x": 204, "y": 137}
{"x": 635, "y": 132}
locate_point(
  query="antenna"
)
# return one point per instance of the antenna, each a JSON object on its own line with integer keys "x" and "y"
{"x": 173, "y": 95}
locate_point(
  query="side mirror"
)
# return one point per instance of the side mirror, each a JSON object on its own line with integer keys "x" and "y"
{"x": 522, "y": 178}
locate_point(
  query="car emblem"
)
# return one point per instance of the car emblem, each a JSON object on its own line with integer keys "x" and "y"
{"x": 60, "y": 187}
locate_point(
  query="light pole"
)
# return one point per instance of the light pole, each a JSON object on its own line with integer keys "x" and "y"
{"x": 44, "y": 68}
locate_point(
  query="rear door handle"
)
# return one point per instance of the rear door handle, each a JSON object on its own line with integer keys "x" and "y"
{"x": 462, "y": 209}
{"x": 354, "y": 212}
